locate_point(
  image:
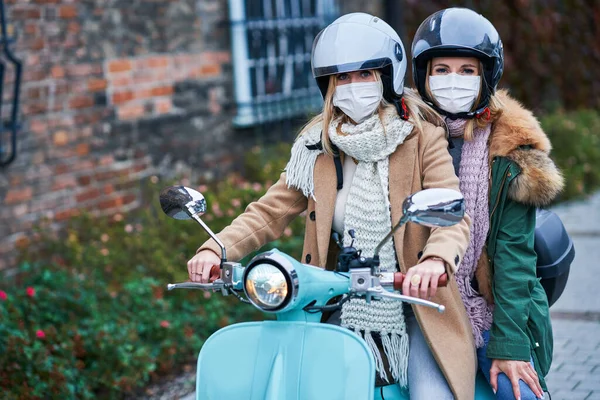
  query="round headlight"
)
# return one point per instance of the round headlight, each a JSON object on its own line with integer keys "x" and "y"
{"x": 267, "y": 286}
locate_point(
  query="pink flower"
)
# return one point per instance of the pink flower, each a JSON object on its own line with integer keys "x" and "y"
{"x": 128, "y": 228}
{"x": 202, "y": 188}
{"x": 104, "y": 237}
{"x": 40, "y": 334}
{"x": 207, "y": 294}
{"x": 287, "y": 232}
{"x": 217, "y": 210}
{"x": 30, "y": 291}
{"x": 165, "y": 324}
{"x": 105, "y": 252}
{"x": 257, "y": 187}
{"x": 236, "y": 202}
{"x": 3, "y": 295}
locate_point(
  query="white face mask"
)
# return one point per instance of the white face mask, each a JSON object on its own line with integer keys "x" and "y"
{"x": 455, "y": 93}
{"x": 358, "y": 100}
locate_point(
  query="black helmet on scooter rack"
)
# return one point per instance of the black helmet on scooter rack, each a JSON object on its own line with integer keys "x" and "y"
{"x": 458, "y": 32}
{"x": 360, "y": 41}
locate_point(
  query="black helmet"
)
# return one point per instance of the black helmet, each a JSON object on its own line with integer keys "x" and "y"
{"x": 458, "y": 32}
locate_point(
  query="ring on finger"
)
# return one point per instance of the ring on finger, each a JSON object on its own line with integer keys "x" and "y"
{"x": 415, "y": 280}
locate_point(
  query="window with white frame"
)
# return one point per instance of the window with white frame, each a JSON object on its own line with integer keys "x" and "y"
{"x": 271, "y": 48}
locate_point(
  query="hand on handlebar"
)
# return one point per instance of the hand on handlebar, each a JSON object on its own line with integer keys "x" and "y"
{"x": 429, "y": 272}
{"x": 204, "y": 267}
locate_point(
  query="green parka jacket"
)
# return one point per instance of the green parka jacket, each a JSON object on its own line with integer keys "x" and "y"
{"x": 522, "y": 179}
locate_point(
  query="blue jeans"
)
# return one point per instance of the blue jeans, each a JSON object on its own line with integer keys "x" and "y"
{"x": 505, "y": 391}
{"x": 425, "y": 379}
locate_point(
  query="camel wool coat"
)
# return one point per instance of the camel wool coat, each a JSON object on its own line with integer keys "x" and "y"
{"x": 421, "y": 162}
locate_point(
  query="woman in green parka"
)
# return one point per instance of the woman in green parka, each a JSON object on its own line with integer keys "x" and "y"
{"x": 500, "y": 155}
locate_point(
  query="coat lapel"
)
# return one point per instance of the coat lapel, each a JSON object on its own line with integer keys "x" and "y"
{"x": 325, "y": 194}
{"x": 402, "y": 168}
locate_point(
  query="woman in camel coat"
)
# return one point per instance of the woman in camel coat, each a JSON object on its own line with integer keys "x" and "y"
{"x": 330, "y": 161}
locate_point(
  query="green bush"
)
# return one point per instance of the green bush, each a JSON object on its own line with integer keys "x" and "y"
{"x": 575, "y": 138}
{"x": 97, "y": 321}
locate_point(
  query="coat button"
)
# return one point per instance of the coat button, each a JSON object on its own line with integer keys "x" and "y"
{"x": 308, "y": 258}
{"x": 456, "y": 260}
{"x": 419, "y": 255}
{"x": 312, "y": 216}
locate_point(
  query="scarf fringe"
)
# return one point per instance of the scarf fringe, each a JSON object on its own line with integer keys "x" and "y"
{"x": 480, "y": 313}
{"x": 300, "y": 169}
{"x": 396, "y": 348}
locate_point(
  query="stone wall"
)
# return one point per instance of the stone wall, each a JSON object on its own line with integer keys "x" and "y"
{"x": 115, "y": 91}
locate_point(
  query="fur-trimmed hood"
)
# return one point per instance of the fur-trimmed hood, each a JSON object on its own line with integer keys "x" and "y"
{"x": 517, "y": 135}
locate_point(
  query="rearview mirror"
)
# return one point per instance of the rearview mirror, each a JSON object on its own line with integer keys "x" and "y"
{"x": 181, "y": 202}
{"x": 430, "y": 207}
{"x": 434, "y": 207}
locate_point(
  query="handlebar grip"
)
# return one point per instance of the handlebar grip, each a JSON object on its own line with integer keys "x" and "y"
{"x": 399, "y": 278}
{"x": 215, "y": 273}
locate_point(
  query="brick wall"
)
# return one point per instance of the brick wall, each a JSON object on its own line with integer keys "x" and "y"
{"x": 115, "y": 91}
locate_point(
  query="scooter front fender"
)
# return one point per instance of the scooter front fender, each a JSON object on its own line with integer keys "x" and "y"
{"x": 292, "y": 360}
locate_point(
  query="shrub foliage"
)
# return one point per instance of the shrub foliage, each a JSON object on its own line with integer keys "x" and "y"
{"x": 89, "y": 315}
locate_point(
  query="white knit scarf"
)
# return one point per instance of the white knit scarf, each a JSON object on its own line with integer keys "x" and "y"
{"x": 368, "y": 213}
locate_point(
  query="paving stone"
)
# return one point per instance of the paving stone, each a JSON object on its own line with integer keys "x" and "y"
{"x": 570, "y": 395}
{"x": 574, "y": 371}
{"x": 592, "y": 384}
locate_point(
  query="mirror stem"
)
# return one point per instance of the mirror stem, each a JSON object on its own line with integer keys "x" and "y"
{"x": 213, "y": 236}
{"x": 403, "y": 220}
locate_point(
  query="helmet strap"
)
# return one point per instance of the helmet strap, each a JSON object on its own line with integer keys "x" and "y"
{"x": 401, "y": 108}
{"x": 485, "y": 112}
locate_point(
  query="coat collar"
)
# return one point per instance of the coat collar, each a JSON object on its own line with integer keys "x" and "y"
{"x": 402, "y": 170}
{"x": 514, "y": 128}
{"x": 324, "y": 194}
{"x": 518, "y": 136}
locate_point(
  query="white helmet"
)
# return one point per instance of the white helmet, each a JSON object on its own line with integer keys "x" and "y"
{"x": 360, "y": 41}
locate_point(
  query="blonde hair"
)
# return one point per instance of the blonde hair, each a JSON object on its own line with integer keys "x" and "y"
{"x": 418, "y": 111}
{"x": 494, "y": 104}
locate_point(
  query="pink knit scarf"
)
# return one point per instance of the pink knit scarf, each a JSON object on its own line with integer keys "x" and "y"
{"x": 474, "y": 184}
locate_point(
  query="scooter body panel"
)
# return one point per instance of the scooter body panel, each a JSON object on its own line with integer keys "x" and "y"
{"x": 293, "y": 360}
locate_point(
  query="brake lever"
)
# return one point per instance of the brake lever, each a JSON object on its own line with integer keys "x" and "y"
{"x": 216, "y": 285}
{"x": 381, "y": 292}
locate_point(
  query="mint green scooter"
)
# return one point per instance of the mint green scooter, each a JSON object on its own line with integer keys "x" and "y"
{"x": 296, "y": 357}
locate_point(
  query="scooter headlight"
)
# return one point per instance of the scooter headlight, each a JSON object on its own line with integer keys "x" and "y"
{"x": 266, "y": 286}
{"x": 269, "y": 282}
